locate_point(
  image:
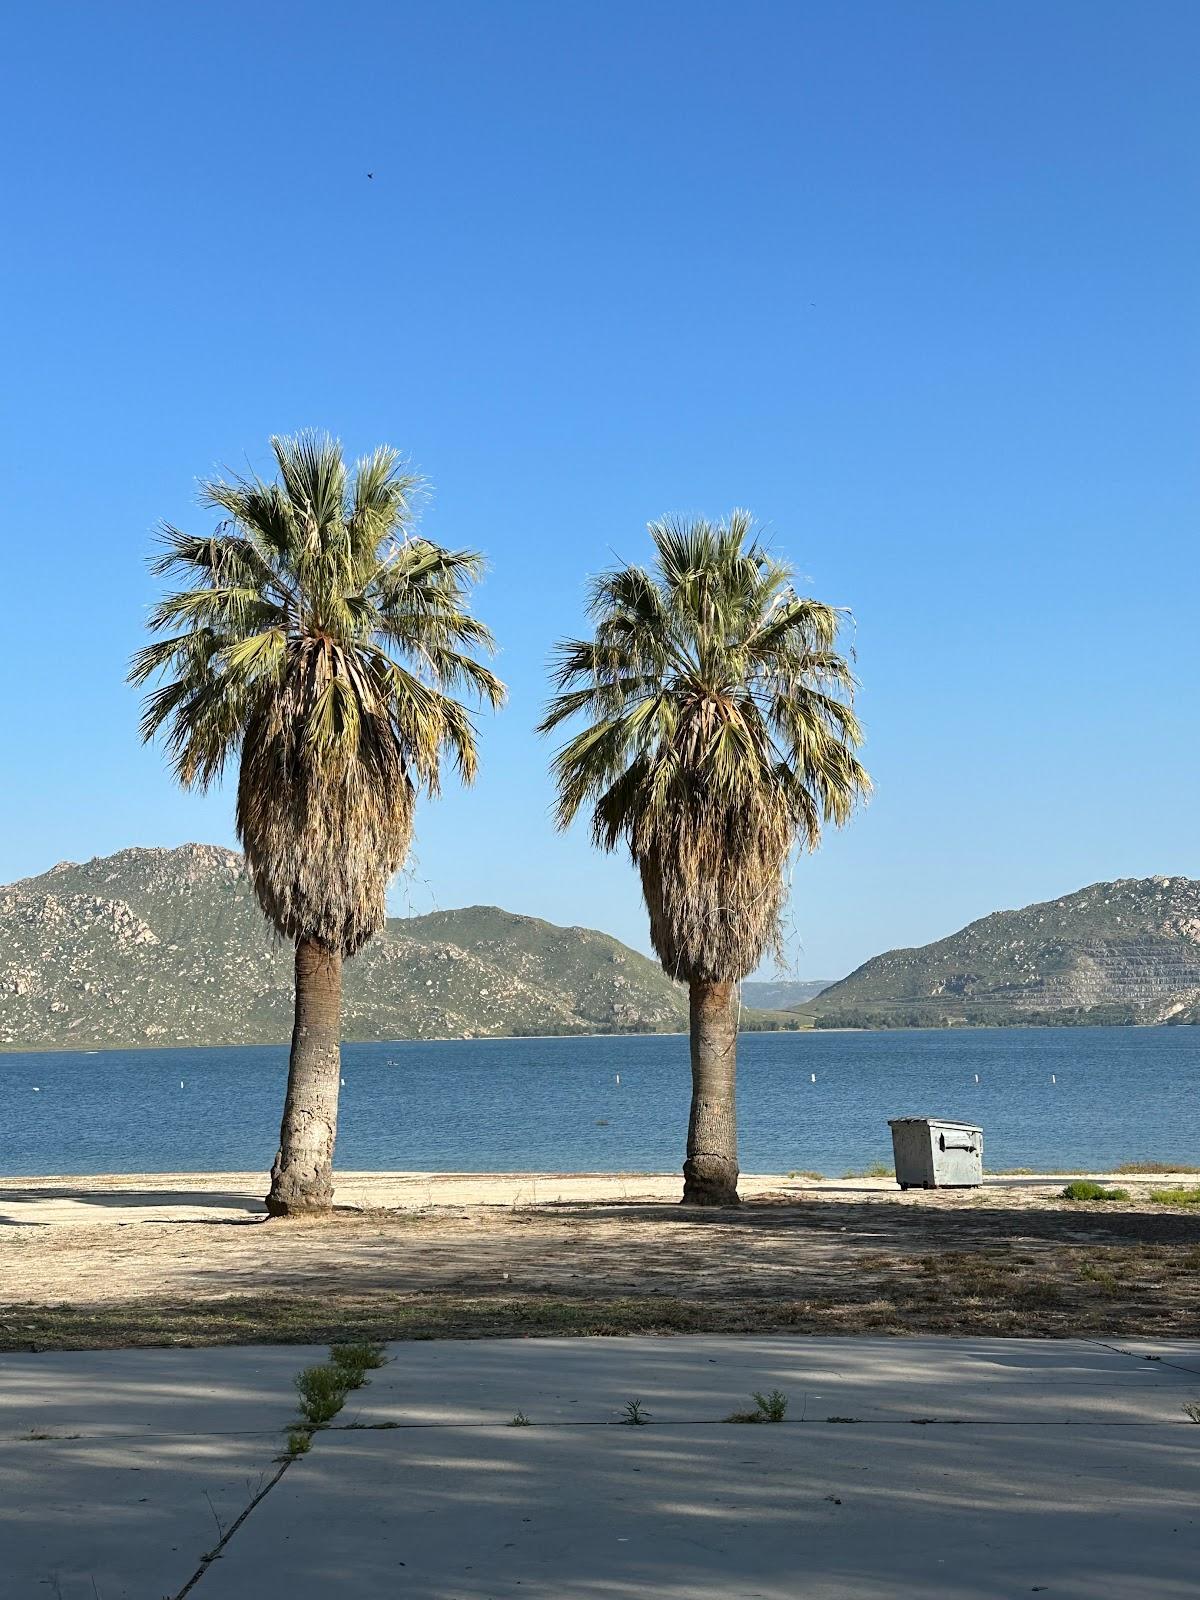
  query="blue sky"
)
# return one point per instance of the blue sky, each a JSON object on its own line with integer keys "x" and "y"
{"x": 916, "y": 282}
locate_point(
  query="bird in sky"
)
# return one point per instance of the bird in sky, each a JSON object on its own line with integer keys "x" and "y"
{"x": 370, "y": 174}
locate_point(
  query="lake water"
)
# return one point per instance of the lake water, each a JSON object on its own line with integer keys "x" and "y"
{"x": 554, "y": 1104}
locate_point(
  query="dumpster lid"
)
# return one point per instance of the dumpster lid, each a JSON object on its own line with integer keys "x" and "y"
{"x": 939, "y": 1122}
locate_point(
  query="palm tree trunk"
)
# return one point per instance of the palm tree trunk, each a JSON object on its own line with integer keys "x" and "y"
{"x": 710, "y": 1173}
{"x": 302, "y": 1177}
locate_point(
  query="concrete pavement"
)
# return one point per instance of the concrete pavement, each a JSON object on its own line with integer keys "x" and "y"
{"x": 970, "y": 1468}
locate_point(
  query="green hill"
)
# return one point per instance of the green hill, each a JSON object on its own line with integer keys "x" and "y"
{"x": 1122, "y": 952}
{"x": 169, "y": 947}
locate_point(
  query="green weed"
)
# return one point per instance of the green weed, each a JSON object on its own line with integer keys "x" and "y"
{"x": 1101, "y": 1277}
{"x": 1176, "y": 1197}
{"x": 323, "y": 1389}
{"x": 1085, "y": 1189}
{"x": 322, "y": 1392}
{"x": 767, "y": 1408}
{"x": 361, "y": 1357}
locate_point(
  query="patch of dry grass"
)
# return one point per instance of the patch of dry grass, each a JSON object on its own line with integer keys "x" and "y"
{"x": 1132, "y": 1169}
{"x": 1146, "y": 1290}
{"x": 829, "y": 1263}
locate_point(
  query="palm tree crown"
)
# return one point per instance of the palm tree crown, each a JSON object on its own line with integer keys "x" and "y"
{"x": 323, "y": 642}
{"x": 721, "y": 735}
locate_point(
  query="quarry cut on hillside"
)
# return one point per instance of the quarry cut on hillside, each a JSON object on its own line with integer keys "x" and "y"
{"x": 1122, "y": 952}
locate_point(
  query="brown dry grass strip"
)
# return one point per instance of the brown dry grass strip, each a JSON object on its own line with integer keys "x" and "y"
{"x": 1067, "y": 1292}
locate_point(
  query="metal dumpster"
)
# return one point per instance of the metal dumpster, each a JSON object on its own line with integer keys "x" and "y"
{"x": 933, "y": 1153}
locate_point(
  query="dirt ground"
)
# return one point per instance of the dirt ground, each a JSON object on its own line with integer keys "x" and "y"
{"x": 182, "y": 1259}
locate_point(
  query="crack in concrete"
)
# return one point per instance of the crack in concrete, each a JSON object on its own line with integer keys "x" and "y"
{"x": 354, "y": 1379}
{"x": 215, "y": 1553}
{"x": 1137, "y": 1355}
{"x": 788, "y": 1422}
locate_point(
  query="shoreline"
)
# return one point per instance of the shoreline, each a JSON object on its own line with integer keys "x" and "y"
{"x": 56, "y": 1200}
{"x": 449, "y": 1038}
{"x": 808, "y": 1030}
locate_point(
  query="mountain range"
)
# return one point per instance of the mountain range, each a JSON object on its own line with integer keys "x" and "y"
{"x": 169, "y": 947}
{"x": 1122, "y": 952}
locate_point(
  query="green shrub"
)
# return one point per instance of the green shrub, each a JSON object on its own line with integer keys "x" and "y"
{"x": 1085, "y": 1189}
{"x": 1176, "y": 1197}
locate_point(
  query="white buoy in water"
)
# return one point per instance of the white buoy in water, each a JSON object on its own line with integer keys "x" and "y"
{"x": 618, "y": 1080}
{"x": 1053, "y": 1079}
{"x": 976, "y": 1077}
{"x": 814, "y": 1077}
{"x": 343, "y": 1083}
{"x": 36, "y": 1090}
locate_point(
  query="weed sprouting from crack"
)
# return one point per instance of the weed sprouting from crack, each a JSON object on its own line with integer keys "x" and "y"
{"x": 767, "y": 1408}
{"x": 323, "y": 1389}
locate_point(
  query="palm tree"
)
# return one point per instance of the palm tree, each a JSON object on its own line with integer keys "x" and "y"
{"x": 721, "y": 735}
{"x": 321, "y": 644}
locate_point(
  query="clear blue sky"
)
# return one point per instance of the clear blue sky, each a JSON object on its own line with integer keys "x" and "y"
{"x": 916, "y": 282}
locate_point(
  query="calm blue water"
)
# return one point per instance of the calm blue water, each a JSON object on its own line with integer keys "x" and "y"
{"x": 554, "y": 1104}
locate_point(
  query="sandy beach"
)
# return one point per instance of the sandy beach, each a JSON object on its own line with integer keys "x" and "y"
{"x": 164, "y": 1197}
{"x": 191, "y": 1258}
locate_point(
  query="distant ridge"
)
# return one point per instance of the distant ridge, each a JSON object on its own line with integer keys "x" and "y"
{"x": 1121, "y": 952}
{"x": 783, "y": 993}
{"x": 169, "y": 947}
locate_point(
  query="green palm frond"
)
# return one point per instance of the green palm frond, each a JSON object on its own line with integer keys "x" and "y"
{"x": 322, "y": 644}
{"x": 720, "y": 735}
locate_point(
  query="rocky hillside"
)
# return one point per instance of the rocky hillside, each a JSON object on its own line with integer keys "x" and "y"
{"x": 169, "y": 947}
{"x": 1123, "y": 952}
